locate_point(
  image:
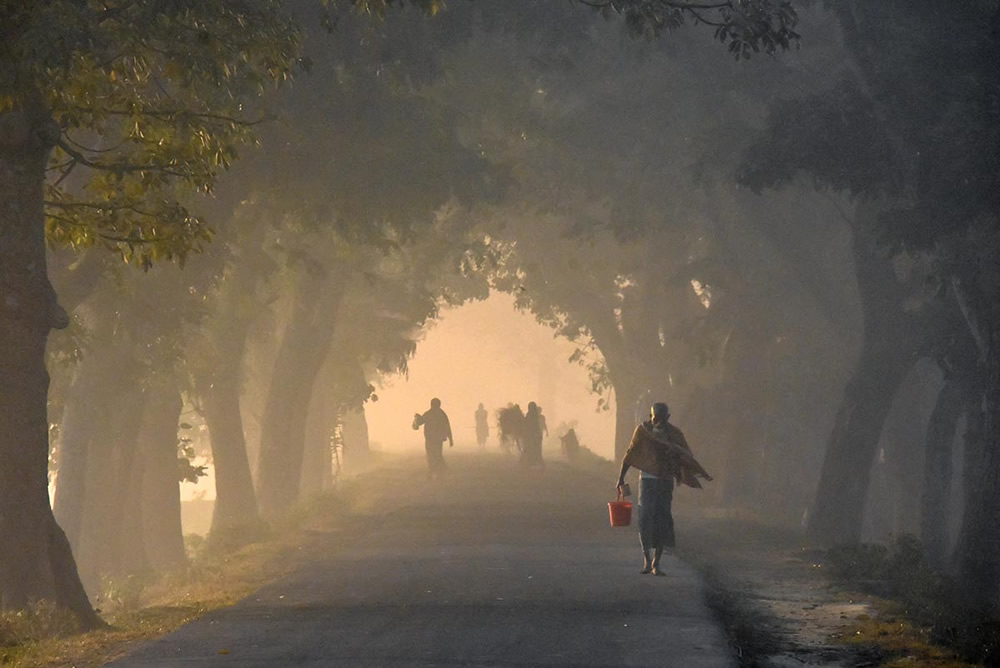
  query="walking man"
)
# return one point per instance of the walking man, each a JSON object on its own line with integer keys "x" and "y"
{"x": 661, "y": 453}
{"x": 437, "y": 429}
{"x": 482, "y": 426}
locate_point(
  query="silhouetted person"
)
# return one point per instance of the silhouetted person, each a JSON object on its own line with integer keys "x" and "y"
{"x": 510, "y": 421}
{"x": 531, "y": 437}
{"x": 482, "y": 426}
{"x": 542, "y": 424}
{"x": 660, "y": 451}
{"x": 437, "y": 429}
{"x": 570, "y": 443}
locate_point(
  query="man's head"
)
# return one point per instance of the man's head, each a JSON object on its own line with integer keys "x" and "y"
{"x": 659, "y": 413}
{"x": 435, "y": 403}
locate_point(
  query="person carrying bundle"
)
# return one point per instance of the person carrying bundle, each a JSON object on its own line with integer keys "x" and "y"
{"x": 661, "y": 453}
{"x": 437, "y": 430}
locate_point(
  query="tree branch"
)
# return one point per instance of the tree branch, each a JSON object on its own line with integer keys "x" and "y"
{"x": 687, "y": 6}
{"x": 99, "y": 207}
{"x": 176, "y": 113}
{"x": 119, "y": 166}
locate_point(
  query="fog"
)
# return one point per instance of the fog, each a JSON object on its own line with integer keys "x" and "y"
{"x": 270, "y": 245}
{"x": 487, "y": 352}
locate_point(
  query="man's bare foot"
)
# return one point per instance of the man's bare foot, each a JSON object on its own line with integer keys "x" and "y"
{"x": 657, "y": 571}
{"x": 646, "y": 568}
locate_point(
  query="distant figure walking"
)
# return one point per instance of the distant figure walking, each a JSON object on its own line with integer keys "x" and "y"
{"x": 437, "y": 430}
{"x": 660, "y": 451}
{"x": 531, "y": 436}
{"x": 509, "y": 424}
{"x": 570, "y": 443}
{"x": 542, "y": 423}
{"x": 482, "y": 426}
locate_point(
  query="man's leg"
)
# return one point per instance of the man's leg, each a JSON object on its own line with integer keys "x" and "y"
{"x": 655, "y": 566}
{"x": 664, "y": 522}
{"x": 647, "y": 517}
{"x": 438, "y": 465}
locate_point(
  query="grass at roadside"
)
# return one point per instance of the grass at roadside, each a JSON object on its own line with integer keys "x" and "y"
{"x": 137, "y": 608}
{"x": 785, "y": 603}
{"x": 920, "y": 620}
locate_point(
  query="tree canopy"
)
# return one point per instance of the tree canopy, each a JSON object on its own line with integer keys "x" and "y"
{"x": 146, "y": 102}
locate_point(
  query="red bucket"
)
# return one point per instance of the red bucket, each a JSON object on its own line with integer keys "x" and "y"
{"x": 620, "y": 512}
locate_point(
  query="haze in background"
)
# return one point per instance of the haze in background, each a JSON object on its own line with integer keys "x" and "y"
{"x": 488, "y": 352}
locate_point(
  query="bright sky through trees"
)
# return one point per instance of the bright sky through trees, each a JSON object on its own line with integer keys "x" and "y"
{"x": 487, "y": 352}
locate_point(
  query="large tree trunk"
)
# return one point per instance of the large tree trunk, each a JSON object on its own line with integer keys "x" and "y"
{"x": 893, "y": 341}
{"x": 304, "y": 345}
{"x": 843, "y": 487}
{"x": 743, "y": 413}
{"x": 161, "y": 502}
{"x": 83, "y": 420}
{"x": 977, "y": 553}
{"x": 133, "y": 559}
{"x": 235, "y": 499}
{"x": 631, "y": 401}
{"x": 35, "y": 558}
{"x": 112, "y": 463}
{"x": 952, "y": 401}
{"x": 354, "y": 428}
{"x": 320, "y": 425}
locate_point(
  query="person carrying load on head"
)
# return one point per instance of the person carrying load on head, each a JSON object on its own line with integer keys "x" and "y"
{"x": 662, "y": 455}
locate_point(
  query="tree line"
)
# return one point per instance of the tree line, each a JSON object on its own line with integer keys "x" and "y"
{"x": 773, "y": 245}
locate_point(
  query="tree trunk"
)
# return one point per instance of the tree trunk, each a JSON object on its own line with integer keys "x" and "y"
{"x": 304, "y": 345}
{"x": 235, "y": 499}
{"x": 843, "y": 487}
{"x": 35, "y": 558}
{"x": 161, "y": 502}
{"x": 112, "y": 463}
{"x": 893, "y": 340}
{"x": 355, "y": 432}
{"x": 133, "y": 559}
{"x": 978, "y": 550}
{"x": 744, "y": 414}
{"x": 320, "y": 425}
{"x": 977, "y": 553}
{"x": 952, "y": 401}
{"x": 83, "y": 417}
{"x": 627, "y": 397}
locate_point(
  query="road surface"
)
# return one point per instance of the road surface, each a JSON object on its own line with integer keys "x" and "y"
{"x": 491, "y": 566}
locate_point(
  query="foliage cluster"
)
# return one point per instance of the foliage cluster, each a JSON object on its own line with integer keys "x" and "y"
{"x": 747, "y": 27}
{"x": 186, "y": 471}
{"x": 145, "y": 103}
{"x": 899, "y": 571}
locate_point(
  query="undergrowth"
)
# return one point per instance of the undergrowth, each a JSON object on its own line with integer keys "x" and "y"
{"x": 928, "y": 598}
{"x": 40, "y": 621}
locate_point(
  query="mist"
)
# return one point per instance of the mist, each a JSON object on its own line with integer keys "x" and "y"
{"x": 246, "y": 255}
{"x": 486, "y": 352}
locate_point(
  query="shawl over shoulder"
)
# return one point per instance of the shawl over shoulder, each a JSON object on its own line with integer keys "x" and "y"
{"x": 670, "y": 458}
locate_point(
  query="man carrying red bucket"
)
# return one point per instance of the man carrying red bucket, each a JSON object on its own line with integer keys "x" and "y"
{"x": 661, "y": 453}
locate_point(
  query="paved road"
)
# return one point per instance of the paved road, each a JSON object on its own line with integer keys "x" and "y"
{"x": 491, "y": 567}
